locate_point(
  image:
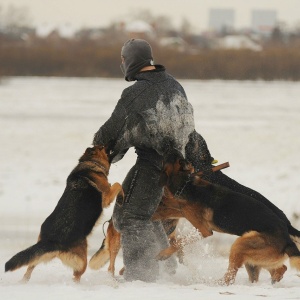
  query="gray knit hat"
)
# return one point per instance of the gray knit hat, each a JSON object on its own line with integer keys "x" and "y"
{"x": 137, "y": 54}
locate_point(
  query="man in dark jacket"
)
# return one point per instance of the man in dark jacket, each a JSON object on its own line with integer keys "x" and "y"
{"x": 151, "y": 115}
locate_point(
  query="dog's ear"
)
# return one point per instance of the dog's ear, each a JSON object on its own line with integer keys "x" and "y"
{"x": 89, "y": 151}
{"x": 87, "y": 154}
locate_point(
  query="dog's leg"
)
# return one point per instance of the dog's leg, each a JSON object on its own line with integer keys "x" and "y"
{"x": 236, "y": 261}
{"x": 108, "y": 197}
{"x": 257, "y": 249}
{"x": 175, "y": 245}
{"x": 277, "y": 274}
{"x": 80, "y": 261}
{"x": 248, "y": 246}
{"x": 46, "y": 257}
{"x": 30, "y": 268}
{"x": 121, "y": 272}
{"x": 180, "y": 253}
{"x": 76, "y": 258}
{"x": 163, "y": 213}
{"x": 166, "y": 253}
{"x": 27, "y": 275}
{"x": 41, "y": 259}
{"x": 253, "y": 272}
{"x": 173, "y": 239}
{"x": 114, "y": 240}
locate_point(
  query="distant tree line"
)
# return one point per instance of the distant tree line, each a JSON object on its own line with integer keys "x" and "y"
{"x": 23, "y": 53}
{"x": 83, "y": 59}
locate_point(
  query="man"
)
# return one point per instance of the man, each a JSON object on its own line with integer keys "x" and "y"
{"x": 152, "y": 115}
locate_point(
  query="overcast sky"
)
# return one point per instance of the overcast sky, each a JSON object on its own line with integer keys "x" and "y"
{"x": 85, "y": 13}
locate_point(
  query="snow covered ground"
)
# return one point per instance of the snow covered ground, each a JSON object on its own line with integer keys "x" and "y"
{"x": 47, "y": 123}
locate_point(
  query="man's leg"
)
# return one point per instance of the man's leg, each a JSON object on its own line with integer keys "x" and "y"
{"x": 140, "y": 247}
{"x": 133, "y": 220}
{"x": 169, "y": 265}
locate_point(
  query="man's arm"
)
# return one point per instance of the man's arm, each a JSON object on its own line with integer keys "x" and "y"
{"x": 109, "y": 132}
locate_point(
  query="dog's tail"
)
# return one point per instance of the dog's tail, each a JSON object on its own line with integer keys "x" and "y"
{"x": 294, "y": 255}
{"x": 29, "y": 255}
{"x": 295, "y": 235}
{"x": 101, "y": 257}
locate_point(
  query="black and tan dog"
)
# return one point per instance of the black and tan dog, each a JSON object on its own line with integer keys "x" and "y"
{"x": 112, "y": 243}
{"x": 264, "y": 240}
{"x": 64, "y": 233}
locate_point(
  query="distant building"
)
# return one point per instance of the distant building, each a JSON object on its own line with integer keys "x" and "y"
{"x": 264, "y": 21}
{"x": 221, "y": 20}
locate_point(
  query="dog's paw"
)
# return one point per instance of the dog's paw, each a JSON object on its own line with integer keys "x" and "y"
{"x": 277, "y": 274}
{"x": 164, "y": 254}
{"x": 228, "y": 279}
{"x": 223, "y": 282}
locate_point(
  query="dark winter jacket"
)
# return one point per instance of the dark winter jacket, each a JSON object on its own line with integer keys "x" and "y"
{"x": 152, "y": 113}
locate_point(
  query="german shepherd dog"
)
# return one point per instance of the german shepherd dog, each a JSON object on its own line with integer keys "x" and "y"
{"x": 264, "y": 240}
{"x": 64, "y": 233}
{"x": 112, "y": 243}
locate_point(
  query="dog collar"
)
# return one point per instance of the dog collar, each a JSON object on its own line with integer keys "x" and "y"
{"x": 100, "y": 166}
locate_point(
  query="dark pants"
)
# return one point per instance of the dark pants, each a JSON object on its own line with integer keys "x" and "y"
{"x": 141, "y": 239}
